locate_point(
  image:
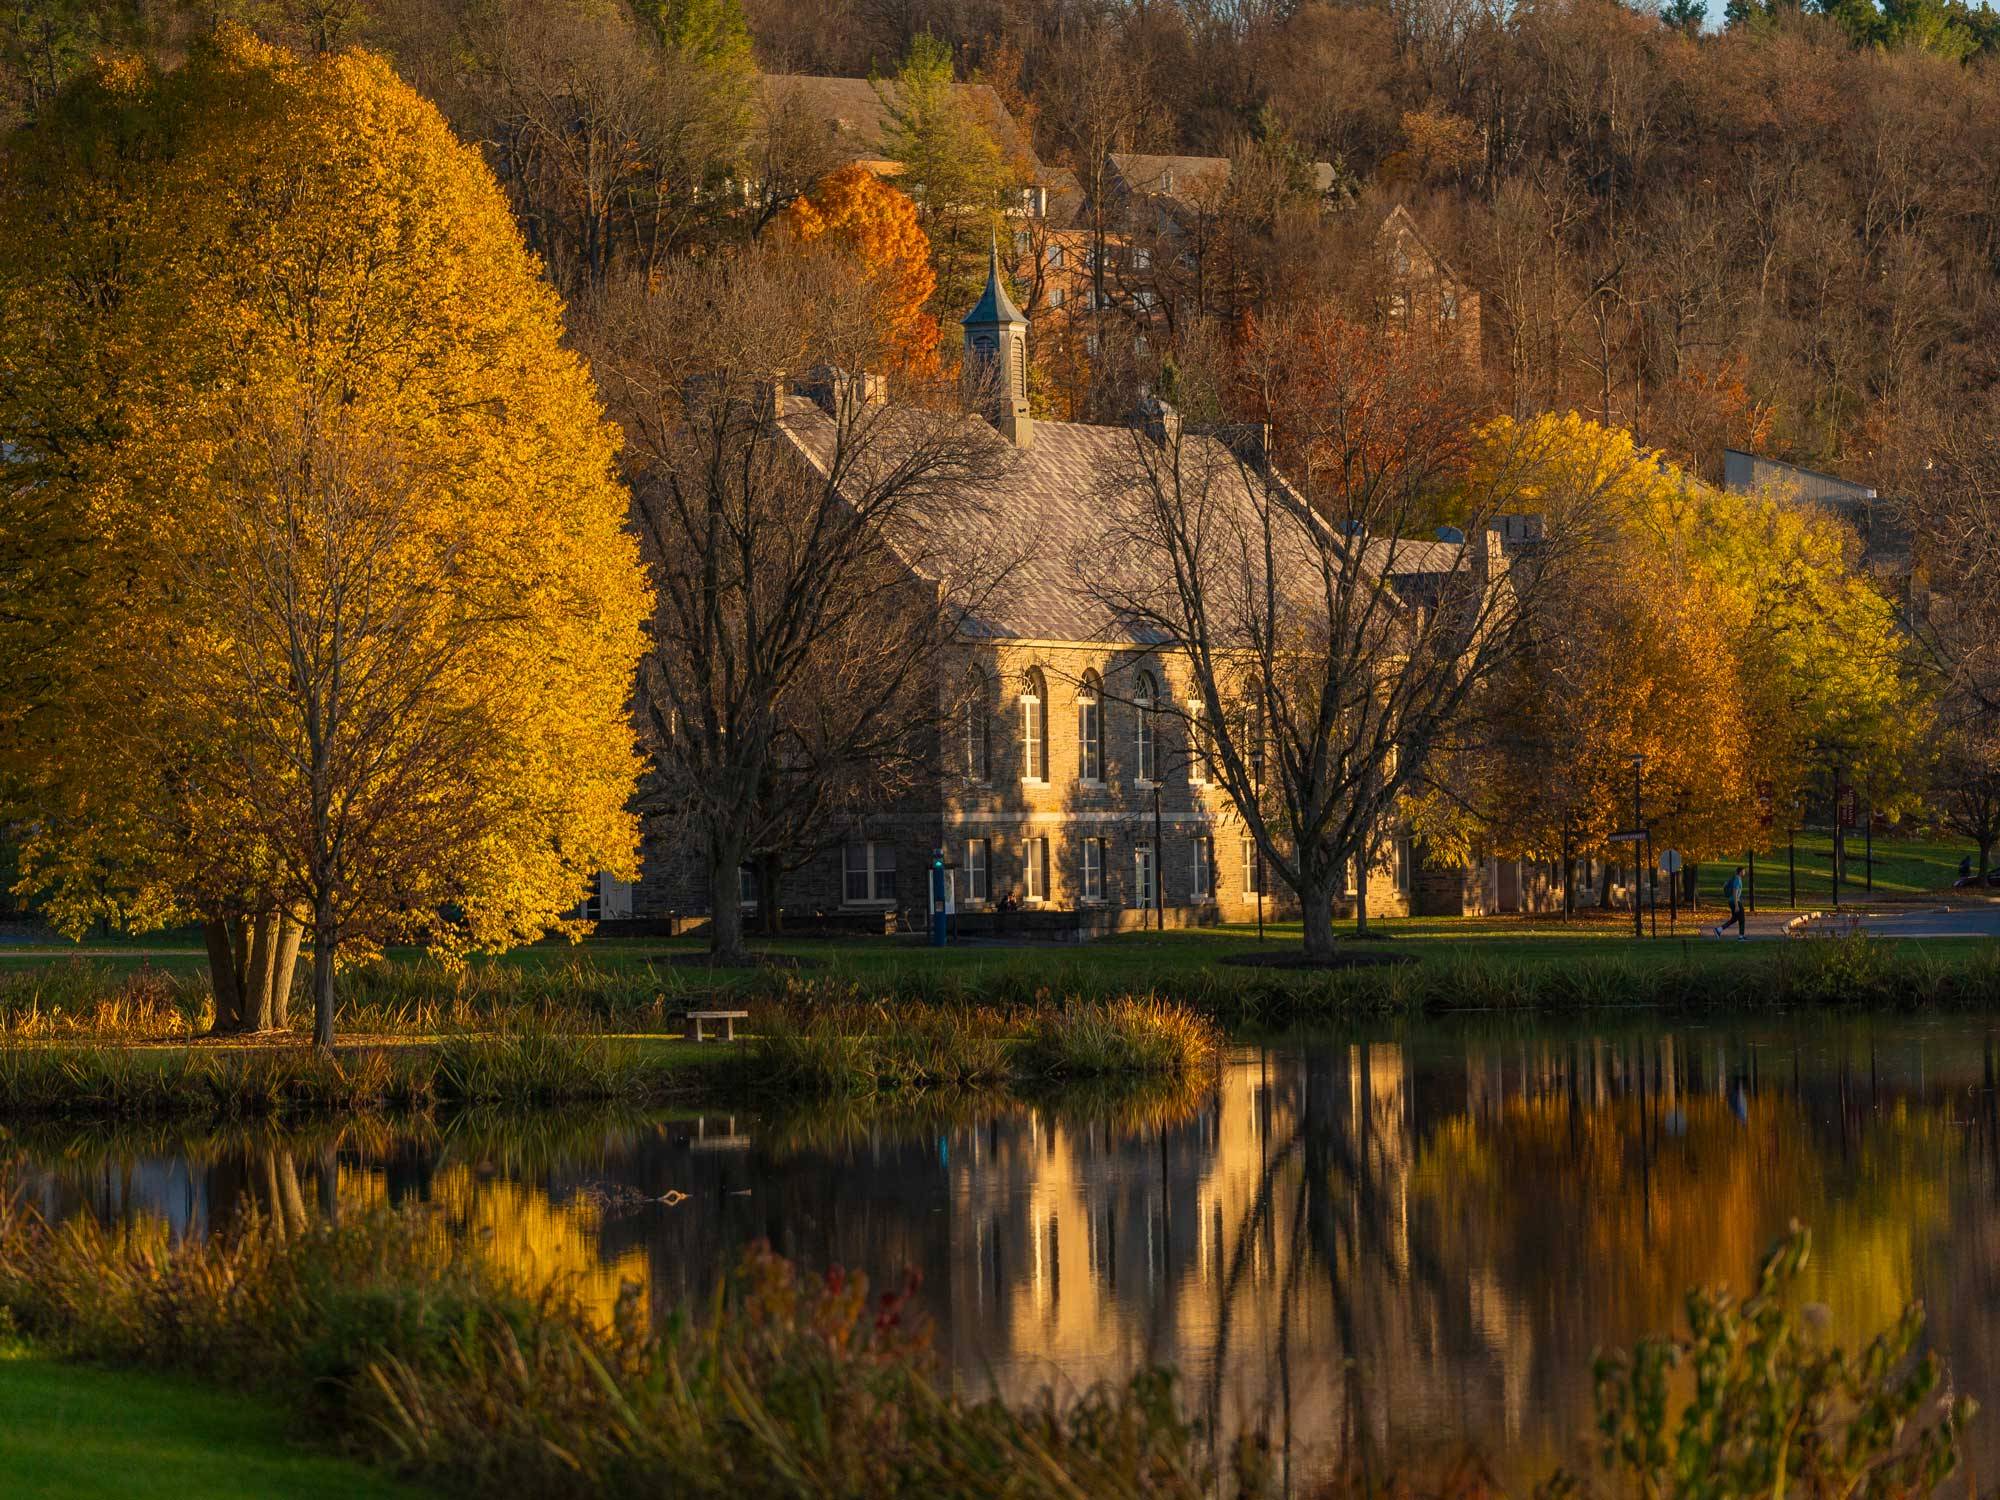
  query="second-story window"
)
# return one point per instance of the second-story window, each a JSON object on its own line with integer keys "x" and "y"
{"x": 978, "y": 748}
{"x": 1146, "y": 736}
{"x": 1090, "y": 730}
{"x": 1034, "y": 727}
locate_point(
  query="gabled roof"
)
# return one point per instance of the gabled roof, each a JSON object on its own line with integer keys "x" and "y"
{"x": 856, "y": 112}
{"x": 1048, "y": 518}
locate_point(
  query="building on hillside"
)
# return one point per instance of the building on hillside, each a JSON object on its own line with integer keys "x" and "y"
{"x": 857, "y": 114}
{"x": 1885, "y": 539}
{"x": 1060, "y": 801}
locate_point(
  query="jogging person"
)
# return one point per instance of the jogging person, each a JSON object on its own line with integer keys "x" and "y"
{"x": 1732, "y": 892}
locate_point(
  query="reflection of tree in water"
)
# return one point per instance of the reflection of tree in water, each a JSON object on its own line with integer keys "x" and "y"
{"x": 1465, "y": 1221}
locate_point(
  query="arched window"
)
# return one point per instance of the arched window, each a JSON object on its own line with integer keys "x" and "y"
{"x": 1090, "y": 729}
{"x": 1034, "y": 726}
{"x": 1145, "y": 696}
{"x": 977, "y": 726}
{"x": 1201, "y": 748}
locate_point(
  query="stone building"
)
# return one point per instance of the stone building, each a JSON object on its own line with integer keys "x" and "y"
{"x": 1065, "y": 802}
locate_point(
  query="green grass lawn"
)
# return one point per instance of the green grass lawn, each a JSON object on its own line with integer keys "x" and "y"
{"x": 1143, "y": 960}
{"x": 1901, "y": 867}
{"x": 74, "y": 1432}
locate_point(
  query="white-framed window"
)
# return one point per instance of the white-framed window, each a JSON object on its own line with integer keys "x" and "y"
{"x": 606, "y": 899}
{"x": 746, "y": 885}
{"x": 1144, "y": 869}
{"x": 978, "y": 863}
{"x": 1037, "y": 872}
{"x": 977, "y": 727}
{"x": 1058, "y": 296}
{"x": 1090, "y": 344}
{"x": 871, "y": 874}
{"x": 1145, "y": 760}
{"x": 1034, "y": 727}
{"x": 1204, "y": 868}
{"x": 1253, "y": 867}
{"x": 1089, "y": 730}
{"x": 1200, "y": 744}
{"x": 1448, "y": 303}
{"x": 1056, "y": 259}
{"x": 1093, "y": 869}
{"x": 1142, "y": 258}
{"x": 1023, "y": 241}
{"x": 1405, "y": 863}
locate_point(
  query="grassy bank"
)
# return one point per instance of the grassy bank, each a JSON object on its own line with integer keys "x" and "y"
{"x": 815, "y": 1045}
{"x": 392, "y": 1338}
{"x": 221, "y": 1084}
{"x": 69, "y": 1429}
{"x": 836, "y": 1046}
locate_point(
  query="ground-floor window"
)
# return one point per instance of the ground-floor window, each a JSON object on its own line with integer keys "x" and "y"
{"x": 746, "y": 885}
{"x": 609, "y": 899}
{"x": 871, "y": 873}
{"x": 976, "y": 863}
{"x": 1403, "y": 864}
{"x": 1143, "y": 871}
{"x": 1204, "y": 868}
{"x": 1038, "y": 869}
{"x": 1252, "y": 868}
{"x": 1093, "y": 869}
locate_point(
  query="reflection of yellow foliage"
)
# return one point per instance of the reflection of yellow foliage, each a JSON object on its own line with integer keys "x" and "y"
{"x": 1662, "y": 1212}
{"x": 534, "y": 1242}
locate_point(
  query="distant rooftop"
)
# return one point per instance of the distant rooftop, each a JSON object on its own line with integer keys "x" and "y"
{"x": 856, "y": 111}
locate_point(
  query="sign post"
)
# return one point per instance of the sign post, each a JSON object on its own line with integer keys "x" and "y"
{"x": 943, "y": 904}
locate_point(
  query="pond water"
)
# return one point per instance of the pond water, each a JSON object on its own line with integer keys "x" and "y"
{"x": 1413, "y": 1239}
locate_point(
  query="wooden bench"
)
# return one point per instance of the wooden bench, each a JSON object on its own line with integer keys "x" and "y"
{"x": 728, "y": 1018}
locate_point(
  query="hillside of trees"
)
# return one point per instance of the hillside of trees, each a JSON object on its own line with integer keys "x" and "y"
{"x": 1782, "y": 235}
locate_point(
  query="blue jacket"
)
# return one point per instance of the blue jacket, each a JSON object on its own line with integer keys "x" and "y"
{"x": 1732, "y": 890}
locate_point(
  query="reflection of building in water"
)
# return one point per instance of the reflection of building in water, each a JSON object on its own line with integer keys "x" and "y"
{"x": 1466, "y": 1220}
{"x": 1257, "y": 1248}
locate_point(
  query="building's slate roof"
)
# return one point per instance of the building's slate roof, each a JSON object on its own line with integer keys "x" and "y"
{"x": 857, "y": 112}
{"x": 1047, "y": 520}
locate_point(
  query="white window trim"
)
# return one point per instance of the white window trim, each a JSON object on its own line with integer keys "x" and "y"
{"x": 871, "y": 901}
{"x": 1035, "y": 865}
{"x": 1085, "y": 895}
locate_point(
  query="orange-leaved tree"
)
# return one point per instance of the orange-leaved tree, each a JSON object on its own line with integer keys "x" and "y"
{"x": 352, "y": 614}
{"x": 856, "y": 211}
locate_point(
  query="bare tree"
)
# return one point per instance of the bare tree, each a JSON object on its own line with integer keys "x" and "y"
{"x": 803, "y": 551}
{"x": 1330, "y": 658}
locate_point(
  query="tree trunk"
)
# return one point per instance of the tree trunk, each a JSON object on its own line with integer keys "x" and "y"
{"x": 324, "y": 941}
{"x": 1985, "y": 857}
{"x": 291, "y": 933}
{"x": 222, "y": 976}
{"x": 257, "y": 972}
{"x": 1316, "y": 906}
{"x": 1361, "y": 896}
{"x": 725, "y": 912}
{"x": 1604, "y": 888}
{"x": 770, "y": 897}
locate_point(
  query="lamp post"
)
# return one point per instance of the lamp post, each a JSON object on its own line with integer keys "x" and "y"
{"x": 1638, "y": 830}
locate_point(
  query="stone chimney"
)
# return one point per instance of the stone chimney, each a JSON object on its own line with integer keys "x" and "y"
{"x": 1159, "y": 421}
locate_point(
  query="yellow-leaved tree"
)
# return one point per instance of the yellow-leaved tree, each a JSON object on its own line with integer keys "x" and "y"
{"x": 1729, "y": 640}
{"x": 341, "y": 622}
